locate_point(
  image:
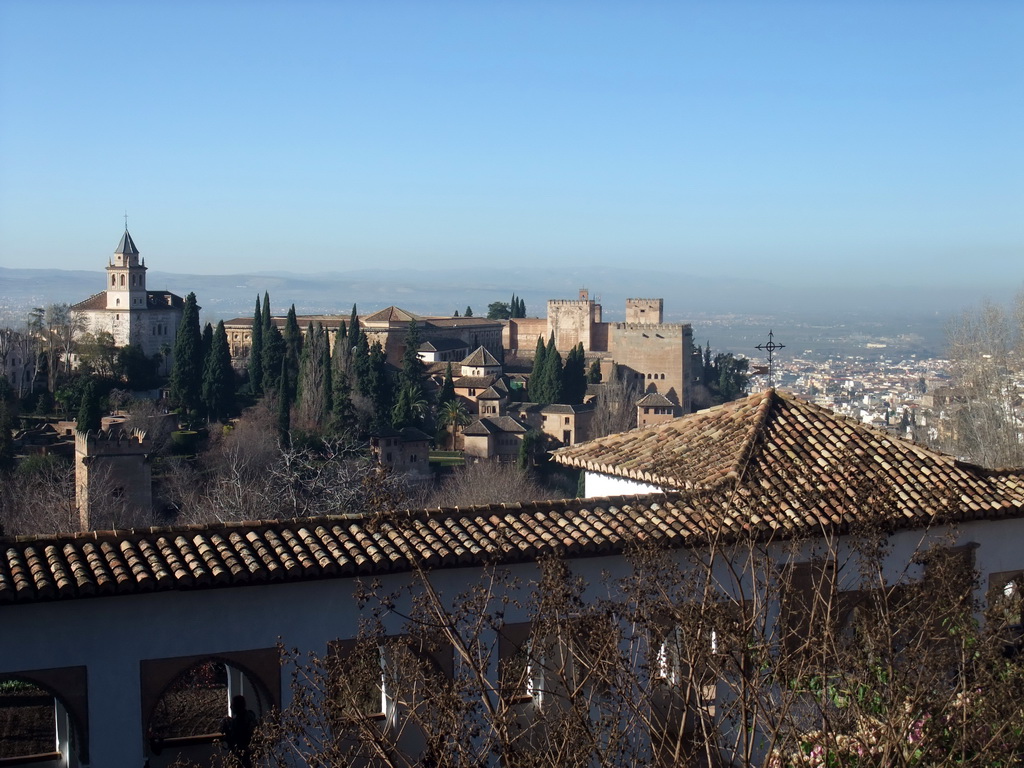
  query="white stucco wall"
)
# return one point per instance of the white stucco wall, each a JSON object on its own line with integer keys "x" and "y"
{"x": 597, "y": 485}
{"x": 111, "y": 636}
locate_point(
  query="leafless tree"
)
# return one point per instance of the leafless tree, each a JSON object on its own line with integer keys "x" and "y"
{"x": 744, "y": 649}
{"x": 39, "y": 498}
{"x": 984, "y": 415}
{"x": 487, "y": 482}
{"x": 616, "y": 406}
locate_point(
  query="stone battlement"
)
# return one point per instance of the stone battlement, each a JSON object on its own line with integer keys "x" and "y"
{"x": 112, "y": 443}
{"x": 569, "y": 302}
{"x": 672, "y": 328}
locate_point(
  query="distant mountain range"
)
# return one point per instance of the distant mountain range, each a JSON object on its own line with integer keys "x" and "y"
{"x": 699, "y": 300}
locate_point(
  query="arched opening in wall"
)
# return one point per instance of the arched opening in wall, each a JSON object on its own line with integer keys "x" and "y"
{"x": 205, "y": 712}
{"x": 37, "y": 725}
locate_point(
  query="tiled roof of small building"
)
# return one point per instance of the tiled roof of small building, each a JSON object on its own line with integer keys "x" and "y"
{"x": 494, "y": 425}
{"x": 391, "y": 314}
{"x": 479, "y": 323}
{"x": 474, "y": 382}
{"x": 566, "y": 408}
{"x": 776, "y": 452}
{"x": 442, "y": 345}
{"x": 655, "y": 399}
{"x": 481, "y": 357}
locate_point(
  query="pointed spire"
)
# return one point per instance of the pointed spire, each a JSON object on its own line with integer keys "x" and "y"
{"x": 127, "y": 245}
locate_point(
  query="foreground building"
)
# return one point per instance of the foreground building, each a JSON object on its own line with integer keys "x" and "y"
{"x": 108, "y": 621}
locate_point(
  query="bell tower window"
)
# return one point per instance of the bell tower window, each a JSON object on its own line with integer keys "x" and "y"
{"x": 122, "y": 281}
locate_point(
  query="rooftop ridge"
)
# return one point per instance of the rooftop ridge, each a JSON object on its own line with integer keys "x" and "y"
{"x": 757, "y": 429}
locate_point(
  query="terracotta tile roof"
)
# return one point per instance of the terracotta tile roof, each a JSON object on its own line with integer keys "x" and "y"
{"x": 481, "y": 357}
{"x": 772, "y": 454}
{"x": 252, "y": 553}
{"x": 655, "y": 398}
{"x": 391, "y": 314}
{"x": 463, "y": 322}
{"x": 768, "y": 465}
{"x": 566, "y": 408}
{"x": 494, "y": 425}
{"x": 96, "y": 301}
{"x": 442, "y": 345}
{"x": 474, "y": 382}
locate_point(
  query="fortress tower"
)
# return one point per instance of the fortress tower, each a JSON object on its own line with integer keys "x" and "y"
{"x": 113, "y": 479}
{"x": 645, "y": 311}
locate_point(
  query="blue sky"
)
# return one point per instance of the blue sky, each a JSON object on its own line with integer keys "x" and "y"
{"x": 823, "y": 142}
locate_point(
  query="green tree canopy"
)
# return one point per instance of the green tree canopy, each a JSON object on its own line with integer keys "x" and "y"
{"x": 219, "y": 377}
{"x": 536, "y": 387}
{"x": 90, "y": 412}
{"x": 498, "y": 310}
{"x": 574, "y": 377}
{"x": 187, "y": 373}
{"x": 256, "y": 351}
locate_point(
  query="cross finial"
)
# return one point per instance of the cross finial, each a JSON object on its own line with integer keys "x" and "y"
{"x": 770, "y": 346}
{"x": 126, "y": 221}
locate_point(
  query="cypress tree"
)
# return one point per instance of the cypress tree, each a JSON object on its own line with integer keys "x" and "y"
{"x": 574, "y": 376}
{"x": 207, "y": 341}
{"x": 305, "y": 364}
{"x": 361, "y": 365}
{"x": 256, "y": 351}
{"x": 218, "y": 377}
{"x": 354, "y": 331}
{"x": 90, "y": 415}
{"x": 284, "y": 414}
{"x": 553, "y": 372}
{"x": 447, "y": 392}
{"x": 379, "y": 388}
{"x": 325, "y": 363}
{"x": 536, "y": 386}
{"x": 292, "y": 350}
{"x": 187, "y": 373}
{"x": 341, "y": 356}
{"x": 468, "y": 312}
{"x": 273, "y": 352}
{"x": 268, "y": 319}
{"x": 343, "y": 415}
{"x": 412, "y": 366}
{"x": 594, "y": 374}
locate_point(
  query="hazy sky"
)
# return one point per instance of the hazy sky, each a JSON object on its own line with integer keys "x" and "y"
{"x": 827, "y": 141}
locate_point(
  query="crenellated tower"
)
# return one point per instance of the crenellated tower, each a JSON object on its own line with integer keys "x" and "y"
{"x": 113, "y": 478}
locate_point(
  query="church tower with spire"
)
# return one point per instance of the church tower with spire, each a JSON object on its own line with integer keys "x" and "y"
{"x": 129, "y": 311}
{"x": 126, "y": 277}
